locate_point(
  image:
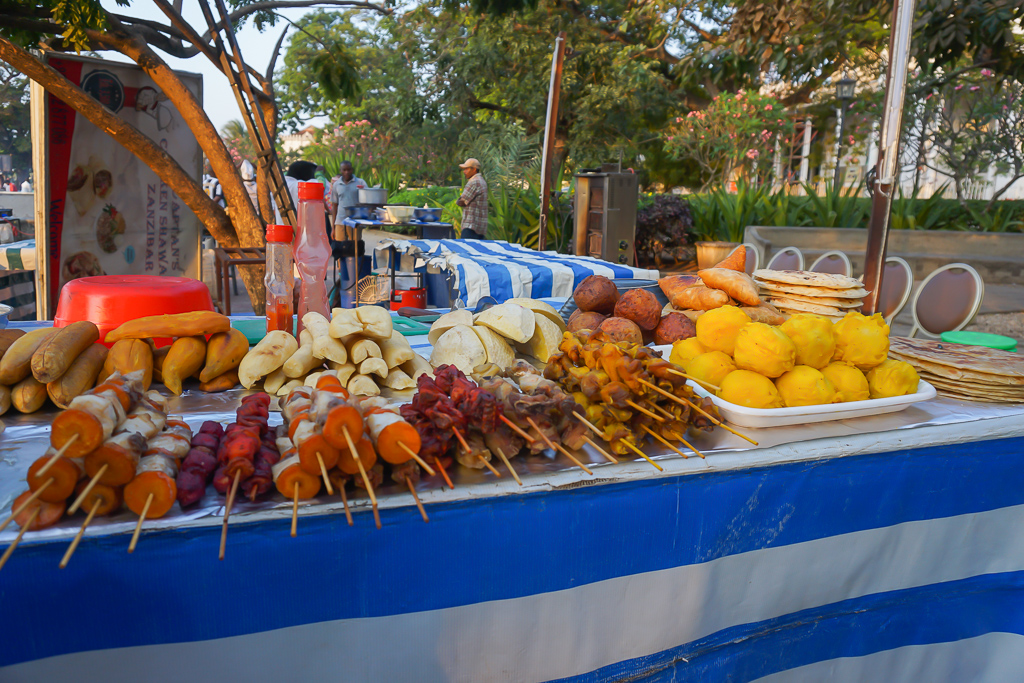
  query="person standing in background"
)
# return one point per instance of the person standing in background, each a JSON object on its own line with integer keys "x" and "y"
{"x": 298, "y": 172}
{"x": 473, "y": 201}
{"x": 345, "y": 193}
{"x": 26, "y": 186}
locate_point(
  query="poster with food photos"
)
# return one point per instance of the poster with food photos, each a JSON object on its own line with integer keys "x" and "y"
{"x": 108, "y": 213}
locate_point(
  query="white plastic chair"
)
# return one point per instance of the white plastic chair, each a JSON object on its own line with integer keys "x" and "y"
{"x": 897, "y": 286}
{"x": 753, "y": 257}
{"x": 833, "y": 263}
{"x": 947, "y": 300}
{"x": 789, "y": 258}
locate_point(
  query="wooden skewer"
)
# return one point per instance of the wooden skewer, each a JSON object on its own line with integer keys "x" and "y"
{"x": 78, "y": 536}
{"x": 690, "y": 446}
{"x": 323, "y": 473}
{"x": 641, "y": 454}
{"x": 88, "y": 487}
{"x": 589, "y": 424}
{"x": 488, "y": 465}
{"x": 462, "y": 440}
{"x": 504, "y": 459}
{"x": 362, "y": 472}
{"x": 344, "y": 501}
{"x": 606, "y": 454}
{"x": 10, "y": 550}
{"x": 444, "y": 473}
{"x": 416, "y": 497}
{"x": 703, "y": 383}
{"x": 515, "y": 428}
{"x": 558, "y": 447}
{"x": 640, "y": 408}
{"x": 57, "y": 456}
{"x": 664, "y": 412}
{"x": 663, "y": 440}
{"x": 138, "y": 527}
{"x": 295, "y": 509}
{"x": 417, "y": 458}
{"x": 227, "y": 513}
{"x": 25, "y": 503}
{"x": 698, "y": 409}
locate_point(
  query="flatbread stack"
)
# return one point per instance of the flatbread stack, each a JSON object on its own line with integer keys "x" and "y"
{"x": 966, "y": 373}
{"x": 799, "y": 291}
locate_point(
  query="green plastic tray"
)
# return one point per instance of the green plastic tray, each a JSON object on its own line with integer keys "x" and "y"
{"x": 992, "y": 341}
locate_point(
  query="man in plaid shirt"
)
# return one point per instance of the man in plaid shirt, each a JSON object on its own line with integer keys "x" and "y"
{"x": 473, "y": 202}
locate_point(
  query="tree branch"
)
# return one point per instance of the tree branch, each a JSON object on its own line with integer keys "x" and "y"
{"x": 248, "y": 225}
{"x": 268, "y": 5}
{"x": 162, "y": 163}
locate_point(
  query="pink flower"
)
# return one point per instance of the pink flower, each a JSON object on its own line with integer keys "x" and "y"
{"x": 958, "y": 87}
{"x": 986, "y": 72}
{"x": 753, "y": 154}
{"x": 851, "y": 139}
{"x": 975, "y": 87}
{"x": 768, "y": 107}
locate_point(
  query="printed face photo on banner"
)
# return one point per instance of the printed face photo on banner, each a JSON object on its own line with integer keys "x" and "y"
{"x": 118, "y": 218}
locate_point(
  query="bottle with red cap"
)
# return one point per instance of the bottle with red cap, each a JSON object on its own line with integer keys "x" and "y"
{"x": 312, "y": 251}
{"x": 279, "y": 279}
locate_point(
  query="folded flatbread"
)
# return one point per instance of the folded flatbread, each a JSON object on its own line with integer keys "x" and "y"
{"x": 806, "y": 278}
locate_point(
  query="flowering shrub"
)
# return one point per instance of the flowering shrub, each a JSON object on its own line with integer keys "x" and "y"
{"x": 736, "y": 134}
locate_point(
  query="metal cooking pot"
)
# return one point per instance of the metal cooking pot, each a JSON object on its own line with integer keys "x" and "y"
{"x": 373, "y": 195}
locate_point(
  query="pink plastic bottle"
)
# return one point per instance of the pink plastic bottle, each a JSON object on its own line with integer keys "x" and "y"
{"x": 312, "y": 251}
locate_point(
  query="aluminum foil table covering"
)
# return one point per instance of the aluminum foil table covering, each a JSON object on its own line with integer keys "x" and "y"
{"x": 27, "y": 437}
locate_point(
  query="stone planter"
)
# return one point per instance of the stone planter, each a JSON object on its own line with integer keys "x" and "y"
{"x": 710, "y": 253}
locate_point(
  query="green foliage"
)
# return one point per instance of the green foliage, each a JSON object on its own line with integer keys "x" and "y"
{"x": 723, "y": 216}
{"x": 15, "y": 120}
{"x": 838, "y": 208}
{"x": 735, "y": 133}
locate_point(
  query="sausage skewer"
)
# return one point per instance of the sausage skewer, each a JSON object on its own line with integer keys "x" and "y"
{"x": 17, "y": 509}
{"x": 138, "y": 526}
{"x": 362, "y": 473}
{"x": 558, "y": 447}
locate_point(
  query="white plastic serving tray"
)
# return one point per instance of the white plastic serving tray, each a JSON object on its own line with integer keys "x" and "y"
{"x": 780, "y": 417}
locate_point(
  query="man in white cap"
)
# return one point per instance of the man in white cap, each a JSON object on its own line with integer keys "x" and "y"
{"x": 473, "y": 202}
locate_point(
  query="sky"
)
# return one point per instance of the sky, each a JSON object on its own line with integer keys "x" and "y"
{"x": 256, "y": 48}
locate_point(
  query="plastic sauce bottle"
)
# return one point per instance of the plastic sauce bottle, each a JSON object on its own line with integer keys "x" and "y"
{"x": 279, "y": 279}
{"x": 312, "y": 251}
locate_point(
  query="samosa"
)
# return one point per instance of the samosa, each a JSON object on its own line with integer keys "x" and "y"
{"x": 737, "y": 285}
{"x": 737, "y": 260}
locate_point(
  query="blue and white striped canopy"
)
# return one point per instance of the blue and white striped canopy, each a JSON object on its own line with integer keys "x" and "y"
{"x": 505, "y": 271}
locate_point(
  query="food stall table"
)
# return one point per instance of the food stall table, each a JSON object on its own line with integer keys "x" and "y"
{"x": 880, "y": 548}
{"x": 502, "y": 270}
{"x": 422, "y": 228}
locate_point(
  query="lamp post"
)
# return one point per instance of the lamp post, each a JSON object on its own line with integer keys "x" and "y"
{"x": 844, "y": 93}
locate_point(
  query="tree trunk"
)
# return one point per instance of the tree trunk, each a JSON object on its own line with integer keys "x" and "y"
{"x": 166, "y": 168}
{"x": 248, "y": 225}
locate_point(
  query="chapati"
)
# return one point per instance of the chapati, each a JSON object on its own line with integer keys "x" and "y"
{"x": 959, "y": 361}
{"x": 805, "y": 290}
{"x": 806, "y": 278}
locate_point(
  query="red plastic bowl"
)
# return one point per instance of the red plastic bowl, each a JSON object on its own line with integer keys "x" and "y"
{"x": 110, "y": 300}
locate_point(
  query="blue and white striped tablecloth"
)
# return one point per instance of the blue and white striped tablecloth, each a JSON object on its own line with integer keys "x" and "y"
{"x": 17, "y": 279}
{"x": 504, "y": 271}
{"x": 18, "y": 255}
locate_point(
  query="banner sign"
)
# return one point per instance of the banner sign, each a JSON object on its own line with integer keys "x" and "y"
{"x": 108, "y": 213}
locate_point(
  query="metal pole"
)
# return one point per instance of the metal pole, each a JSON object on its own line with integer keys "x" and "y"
{"x": 839, "y": 151}
{"x": 549, "y": 138}
{"x": 887, "y": 167}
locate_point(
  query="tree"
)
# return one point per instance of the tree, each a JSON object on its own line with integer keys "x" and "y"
{"x": 15, "y": 137}
{"x": 85, "y": 24}
{"x": 437, "y": 75}
{"x": 236, "y": 137}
